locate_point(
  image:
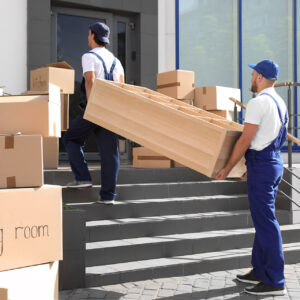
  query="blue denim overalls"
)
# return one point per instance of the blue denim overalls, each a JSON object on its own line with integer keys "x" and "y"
{"x": 264, "y": 173}
{"x": 107, "y": 143}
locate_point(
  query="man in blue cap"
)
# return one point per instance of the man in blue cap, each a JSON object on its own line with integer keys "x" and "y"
{"x": 263, "y": 135}
{"x": 98, "y": 63}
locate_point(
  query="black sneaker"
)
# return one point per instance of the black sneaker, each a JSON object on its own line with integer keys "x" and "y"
{"x": 248, "y": 278}
{"x": 104, "y": 201}
{"x": 262, "y": 289}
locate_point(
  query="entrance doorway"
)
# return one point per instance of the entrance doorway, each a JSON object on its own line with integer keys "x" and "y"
{"x": 70, "y": 41}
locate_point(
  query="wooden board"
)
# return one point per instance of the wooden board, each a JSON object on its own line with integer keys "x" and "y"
{"x": 195, "y": 138}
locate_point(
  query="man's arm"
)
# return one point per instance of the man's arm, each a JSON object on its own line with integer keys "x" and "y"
{"x": 89, "y": 81}
{"x": 122, "y": 79}
{"x": 239, "y": 149}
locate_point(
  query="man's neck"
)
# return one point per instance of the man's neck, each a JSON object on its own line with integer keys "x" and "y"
{"x": 264, "y": 87}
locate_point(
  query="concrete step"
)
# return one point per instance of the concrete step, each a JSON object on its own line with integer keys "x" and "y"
{"x": 109, "y": 252}
{"x": 129, "y": 250}
{"x": 158, "y": 190}
{"x": 179, "y": 266}
{"x": 118, "y": 229}
{"x": 127, "y": 175}
{"x": 160, "y": 207}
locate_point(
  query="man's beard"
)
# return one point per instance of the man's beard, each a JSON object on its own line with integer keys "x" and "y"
{"x": 254, "y": 88}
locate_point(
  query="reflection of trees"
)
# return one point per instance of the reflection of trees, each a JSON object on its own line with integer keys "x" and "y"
{"x": 206, "y": 42}
{"x": 267, "y": 36}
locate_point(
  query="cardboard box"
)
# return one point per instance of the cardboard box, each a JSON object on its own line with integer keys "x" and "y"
{"x": 177, "y": 84}
{"x": 51, "y": 153}
{"x": 227, "y": 114}
{"x": 176, "y": 164}
{"x": 216, "y": 98}
{"x": 189, "y": 135}
{"x": 31, "y": 283}
{"x": 3, "y": 294}
{"x": 32, "y": 114}
{"x": 21, "y": 161}
{"x": 64, "y": 106}
{"x": 60, "y": 74}
{"x": 30, "y": 226}
{"x": 64, "y": 111}
{"x": 146, "y": 158}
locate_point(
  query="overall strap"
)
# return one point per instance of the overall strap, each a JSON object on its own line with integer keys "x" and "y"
{"x": 279, "y": 112}
{"x": 112, "y": 69}
{"x": 103, "y": 63}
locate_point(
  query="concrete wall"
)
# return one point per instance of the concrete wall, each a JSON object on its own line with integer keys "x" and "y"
{"x": 166, "y": 36}
{"x": 13, "y": 50}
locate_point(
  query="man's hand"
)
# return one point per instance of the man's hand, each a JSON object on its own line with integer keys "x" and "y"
{"x": 239, "y": 150}
{"x": 222, "y": 174}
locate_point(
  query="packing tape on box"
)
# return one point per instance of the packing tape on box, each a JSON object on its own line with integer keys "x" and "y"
{"x": 204, "y": 91}
{"x": 9, "y": 142}
{"x": 11, "y": 182}
{"x": 152, "y": 158}
{"x": 3, "y": 294}
{"x": 163, "y": 86}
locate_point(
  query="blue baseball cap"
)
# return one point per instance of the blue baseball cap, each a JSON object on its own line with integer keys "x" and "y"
{"x": 101, "y": 31}
{"x": 267, "y": 68}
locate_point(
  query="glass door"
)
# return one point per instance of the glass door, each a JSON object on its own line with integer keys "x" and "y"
{"x": 70, "y": 41}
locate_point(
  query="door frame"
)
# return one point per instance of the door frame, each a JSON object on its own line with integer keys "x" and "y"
{"x": 111, "y": 21}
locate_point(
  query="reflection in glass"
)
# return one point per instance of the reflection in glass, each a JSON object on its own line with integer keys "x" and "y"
{"x": 122, "y": 43}
{"x": 208, "y": 41}
{"x": 267, "y": 36}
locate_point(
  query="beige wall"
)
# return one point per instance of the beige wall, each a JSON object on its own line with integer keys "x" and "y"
{"x": 166, "y": 36}
{"x": 13, "y": 50}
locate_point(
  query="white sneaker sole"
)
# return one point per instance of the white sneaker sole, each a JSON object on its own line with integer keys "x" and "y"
{"x": 247, "y": 281}
{"x": 111, "y": 202}
{"x": 271, "y": 293}
{"x": 86, "y": 185}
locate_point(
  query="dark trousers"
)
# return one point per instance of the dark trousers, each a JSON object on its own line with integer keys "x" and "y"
{"x": 263, "y": 178}
{"x": 107, "y": 143}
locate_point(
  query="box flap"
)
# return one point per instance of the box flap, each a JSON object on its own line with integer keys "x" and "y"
{"x": 61, "y": 64}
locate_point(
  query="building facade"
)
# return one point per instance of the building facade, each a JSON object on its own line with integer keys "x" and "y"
{"x": 215, "y": 38}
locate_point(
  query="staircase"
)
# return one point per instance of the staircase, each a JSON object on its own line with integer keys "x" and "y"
{"x": 167, "y": 222}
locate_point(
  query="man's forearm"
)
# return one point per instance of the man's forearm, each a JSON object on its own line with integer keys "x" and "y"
{"x": 239, "y": 150}
{"x": 88, "y": 88}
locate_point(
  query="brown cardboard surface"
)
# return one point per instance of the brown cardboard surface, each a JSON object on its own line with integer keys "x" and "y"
{"x": 146, "y": 158}
{"x": 64, "y": 112}
{"x": 227, "y": 114}
{"x": 34, "y": 114}
{"x": 51, "y": 153}
{"x": 30, "y": 226}
{"x": 216, "y": 98}
{"x": 3, "y": 294}
{"x": 151, "y": 164}
{"x": 177, "y": 84}
{"x": 186, "y": 134}
{"x": 60, "y": 74}
{"x": 21, "y": 161}
{"x": 31, "y": 283}
{"x": 64, "y": 106}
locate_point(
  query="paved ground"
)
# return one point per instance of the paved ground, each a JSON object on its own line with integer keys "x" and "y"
{"x": 213, "y": 286}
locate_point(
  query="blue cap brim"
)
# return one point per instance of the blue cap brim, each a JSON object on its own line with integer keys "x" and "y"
{"x": 251, "y": 66}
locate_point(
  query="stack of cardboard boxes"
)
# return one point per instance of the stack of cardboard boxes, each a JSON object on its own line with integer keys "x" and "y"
{"x": 62, "y": 75}
{"x": 30, "y": 212}
{"x": 179, "y": 84}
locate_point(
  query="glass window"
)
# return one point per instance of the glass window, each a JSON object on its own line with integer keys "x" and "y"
{"x": 208, "y": 41}
{"x": 122, "y": 43}
{"x": 267, "y": 36}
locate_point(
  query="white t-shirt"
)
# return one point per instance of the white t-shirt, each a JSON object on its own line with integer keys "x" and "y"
{"x": 91, "y": 62}
{"x": 262, "y": 111}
